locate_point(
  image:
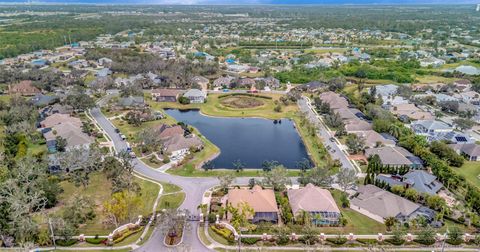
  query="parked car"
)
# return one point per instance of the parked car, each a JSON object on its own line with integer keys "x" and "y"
{"x": 117, "y": 130}
{"x": 123, "y": 137}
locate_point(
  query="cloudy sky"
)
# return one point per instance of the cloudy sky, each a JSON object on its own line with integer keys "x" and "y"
{"x": 254, "y": 1}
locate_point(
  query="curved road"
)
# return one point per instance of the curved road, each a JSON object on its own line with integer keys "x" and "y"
{"x": 193, "y": 188}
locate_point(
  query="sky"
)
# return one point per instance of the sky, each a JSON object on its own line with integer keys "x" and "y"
{"x": 252, "y": 1}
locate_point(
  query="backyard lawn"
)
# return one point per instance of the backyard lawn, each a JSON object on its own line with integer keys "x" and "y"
{"x": 99, "y": 191}
{"x": 471, "y": 171}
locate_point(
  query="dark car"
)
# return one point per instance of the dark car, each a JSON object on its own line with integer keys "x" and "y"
{"x": 117, "y": 130}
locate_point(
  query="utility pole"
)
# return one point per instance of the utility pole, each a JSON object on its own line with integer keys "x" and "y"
{"x": 53, "y": 235}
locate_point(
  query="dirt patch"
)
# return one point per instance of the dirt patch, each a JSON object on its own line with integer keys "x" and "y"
{"x": 241, "y": 102}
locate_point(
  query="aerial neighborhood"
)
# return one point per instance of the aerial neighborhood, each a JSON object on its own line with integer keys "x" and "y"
{"x": 239, "y": 128}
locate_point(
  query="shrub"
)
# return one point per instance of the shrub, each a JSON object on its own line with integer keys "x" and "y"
{"x": 395, "y": 242}
{"x": 212, "y": 217}
{"x": 126, "y": 234}
{"x": 223, "y": 232}
{"x": 65, "y": 243}
{"x": 367, "y": 241}
{"x": 338, "y": 240}
{"x": 95, "y": 240}
{"x": 250, "y": 240}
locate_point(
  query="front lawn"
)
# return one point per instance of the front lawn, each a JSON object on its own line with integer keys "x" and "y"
{"x": 471, "y": 171}
{"x": 173, "y": 200}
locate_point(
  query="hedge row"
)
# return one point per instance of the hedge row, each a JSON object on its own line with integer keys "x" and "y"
{"x": 224, "y": 232}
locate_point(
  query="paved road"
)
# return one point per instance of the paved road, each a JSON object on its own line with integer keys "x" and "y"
{"x": 193, "y": 188}
{"x": 324, "y": 134}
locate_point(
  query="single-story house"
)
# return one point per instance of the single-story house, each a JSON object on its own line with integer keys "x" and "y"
{"x": 379, "y": 204}
{"x": 223, "y": 81}
{"x": 131, "y": 102}
{"x": 58, "y": 118}
{"x": 201, "y": 81}
{"x": 334, "y": 100}
{"x": 353, "y": 126}
{"x": 195, "y": 96}
{"x": 179, "y": 144}
{"x": 318, "y": 202}
{"x": 374, "y": 139}
{"x": 395, "y": 157}
{"x": 261, "y": 200}
{"x": 423, "y": 182}
{"x": 430, "y": 127}
{"x": 471, "y": 151}
{"x": 165, "y": 95}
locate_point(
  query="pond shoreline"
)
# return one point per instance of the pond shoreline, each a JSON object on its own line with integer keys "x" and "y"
{"x": 288, "y": 155}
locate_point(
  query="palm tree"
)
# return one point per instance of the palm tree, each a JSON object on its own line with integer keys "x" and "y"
{"x": 203, "y": 208}
{"x": 390, "y": 222}
{"x": 238, "y": 165}
{"x": 394, "y": 130}
{"x": 304, "y": 218}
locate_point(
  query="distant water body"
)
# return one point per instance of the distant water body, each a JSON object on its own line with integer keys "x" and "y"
{"x": 252, "y": 140}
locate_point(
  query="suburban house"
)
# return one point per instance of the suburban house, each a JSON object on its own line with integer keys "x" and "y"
{"x": 395, "y": 157}
{"x": 223, "y": 81}
{"x": 246, "y": 82}
{"x": 261, "y": 200}
{"x": 178, "y": 144}
{"x": 24, "y": 88}
{"x": 66, "y": 127}
{"x": 175, "y": 142}
{"x": 165, "y": 95}
{"x": 471, "y": 151}
{"x": 374, "y": 139}
{"x": 334, "y": 100}
{"x": 269, "y": 81}
{"x": 379, "y": 204}
{"x": 386, "y": 91}
{"x": 195, "y": 96}
{"x": 318, "y": 202}
{"x": 430, "y": 128}
{"x": 421, "y": 181}
{"x": 58, "y": 118}
{"x": 200, "y": 81}
{"x": 131, "y": 102}
{"x": 410, "y": 112}
{"x": 354, "y": 126}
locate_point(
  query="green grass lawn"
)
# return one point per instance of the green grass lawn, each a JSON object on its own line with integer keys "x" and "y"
{"x": 213, "y": 107}
{"x": 471, "y": 171}
{"x": 169, "y": 188}
{"x": 189, "y": 170}
{"x": 171, "y": 200}
{"x": 99, "y": 191}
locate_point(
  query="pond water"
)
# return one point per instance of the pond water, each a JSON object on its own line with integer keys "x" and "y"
{"x": 250, "y": 140}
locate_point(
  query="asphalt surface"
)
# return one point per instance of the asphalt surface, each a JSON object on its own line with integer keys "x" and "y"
{"x": 194, "y": 189}
{"x": 334, "y": 149}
